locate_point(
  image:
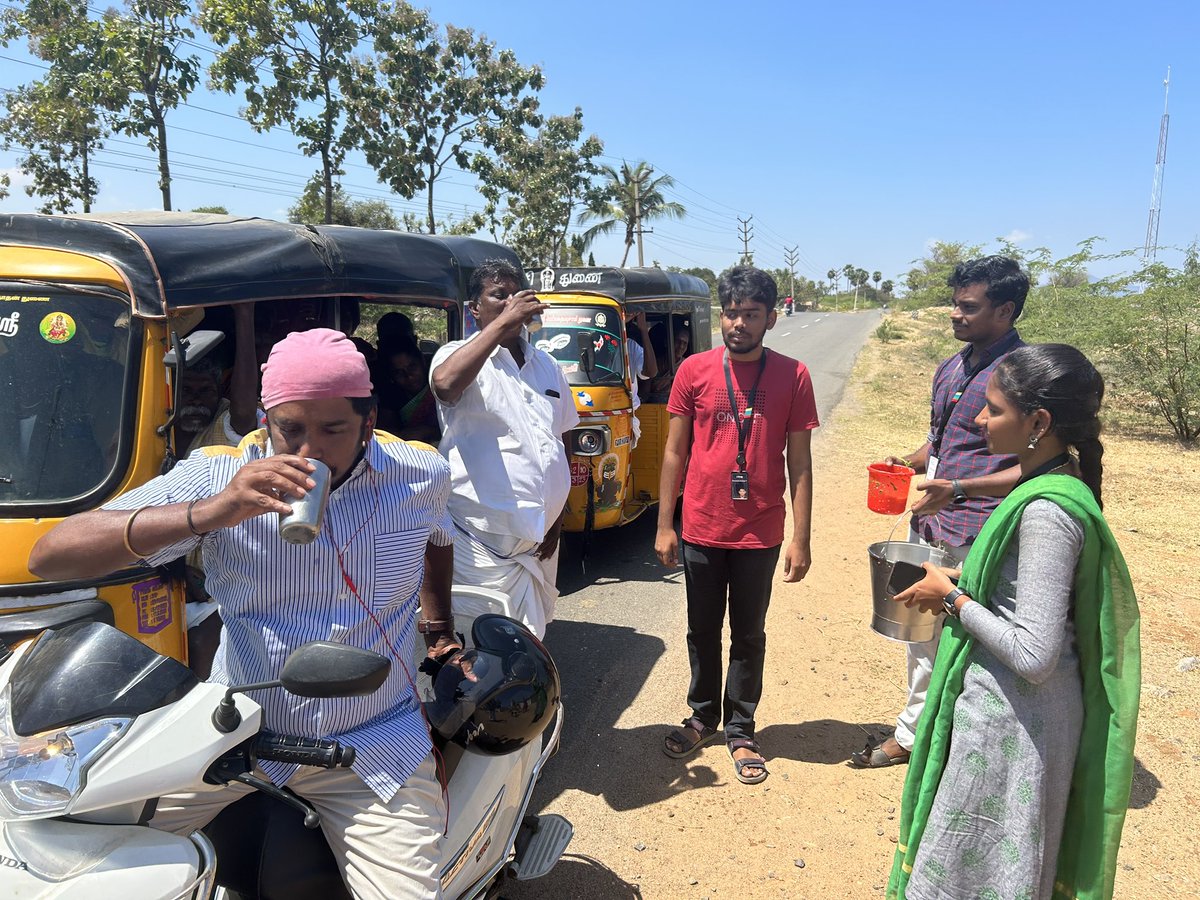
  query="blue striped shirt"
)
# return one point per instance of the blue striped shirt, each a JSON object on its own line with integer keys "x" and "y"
{"x": 275, "y": 596}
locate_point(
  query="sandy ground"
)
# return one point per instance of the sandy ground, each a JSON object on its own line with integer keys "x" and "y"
{"x": 657, "y": 828}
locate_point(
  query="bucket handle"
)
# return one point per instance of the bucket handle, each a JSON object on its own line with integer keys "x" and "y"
{"x": 896, "y": 524}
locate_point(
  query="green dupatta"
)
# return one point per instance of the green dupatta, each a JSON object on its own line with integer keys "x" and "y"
{"x": 1107, "y": 628}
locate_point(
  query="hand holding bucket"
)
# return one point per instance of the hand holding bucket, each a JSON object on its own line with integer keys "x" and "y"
{"x": 887, "y": 488}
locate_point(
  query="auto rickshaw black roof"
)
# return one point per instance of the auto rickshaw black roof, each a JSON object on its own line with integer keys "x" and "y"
{"x": 643, "y": 283}
{"x": 177, "y": 260}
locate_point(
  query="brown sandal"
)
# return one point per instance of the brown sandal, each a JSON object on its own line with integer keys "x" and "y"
{"x": 680, "y": 737}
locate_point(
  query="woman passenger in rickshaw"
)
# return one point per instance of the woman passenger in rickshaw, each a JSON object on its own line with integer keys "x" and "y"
{"x": 406, "y": 405}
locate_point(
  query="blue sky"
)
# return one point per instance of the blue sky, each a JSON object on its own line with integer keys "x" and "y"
{"x": 857, "y": 132}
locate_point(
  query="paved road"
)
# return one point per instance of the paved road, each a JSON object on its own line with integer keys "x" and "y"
{"x": 618, "y": 611}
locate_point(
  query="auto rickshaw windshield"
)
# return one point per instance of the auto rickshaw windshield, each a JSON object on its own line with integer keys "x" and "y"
{"x": 566, "y": 329}
{"x": 63, "y": 363}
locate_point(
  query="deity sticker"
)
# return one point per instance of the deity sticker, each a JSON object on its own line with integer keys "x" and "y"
{"x": 57, "y": 328}
{"x": 608, "y": 492}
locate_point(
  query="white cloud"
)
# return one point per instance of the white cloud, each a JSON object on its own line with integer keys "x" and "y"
{"x": 1017, "y": 236}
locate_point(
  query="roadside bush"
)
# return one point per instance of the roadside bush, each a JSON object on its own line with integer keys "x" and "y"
{"x": 888, "y": 331}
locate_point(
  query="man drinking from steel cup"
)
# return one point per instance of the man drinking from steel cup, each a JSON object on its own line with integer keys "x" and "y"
{"x": 377, "y": 576}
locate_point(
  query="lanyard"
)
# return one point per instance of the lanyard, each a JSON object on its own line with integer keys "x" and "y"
{"x": 948, "y": 410}
{"x": 744, "y": 420}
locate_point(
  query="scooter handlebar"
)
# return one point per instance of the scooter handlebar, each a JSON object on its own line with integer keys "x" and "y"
{"x": 328, "y": 754}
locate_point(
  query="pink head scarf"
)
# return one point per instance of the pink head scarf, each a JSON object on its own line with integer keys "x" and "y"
{"x": 318, "y": 364}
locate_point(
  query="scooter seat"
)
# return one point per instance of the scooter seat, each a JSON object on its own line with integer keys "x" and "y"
{"x": 264, "y": 852}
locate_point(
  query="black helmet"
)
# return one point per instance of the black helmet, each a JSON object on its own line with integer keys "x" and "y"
{"x": 498, "y": 695}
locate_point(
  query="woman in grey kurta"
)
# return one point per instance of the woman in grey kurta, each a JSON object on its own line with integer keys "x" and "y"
{"x": 1000, "y": 802}
{"x": 996, "y": 822}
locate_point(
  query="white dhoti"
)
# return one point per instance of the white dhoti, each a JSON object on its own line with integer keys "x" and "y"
{"x": 510, "y": 565}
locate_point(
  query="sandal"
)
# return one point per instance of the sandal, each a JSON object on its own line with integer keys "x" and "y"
{"x": 701, "y": 735}
{"x": 750, "y": 762}
{"x": 873, "y": 756}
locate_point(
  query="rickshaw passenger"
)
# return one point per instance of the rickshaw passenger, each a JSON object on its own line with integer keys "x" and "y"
{"x": 407, "y": 407}
{"x": 643, "y": 365}
{"x": 683, "y": 340}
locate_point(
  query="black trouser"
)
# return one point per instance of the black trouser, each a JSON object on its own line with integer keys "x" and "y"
{"x": 715, "y": 575}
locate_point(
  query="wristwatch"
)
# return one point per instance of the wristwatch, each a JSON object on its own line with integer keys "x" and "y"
{"x": 435, "y": 626}
{"x": 957, "y": 488}
{"x": 948, "y": 601}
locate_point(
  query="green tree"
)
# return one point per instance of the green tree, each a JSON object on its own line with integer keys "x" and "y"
{"x": 304, "y": 47}
{"x": 926, "y": 281}
{"x": 58, "y": 121}
{"x": 55, "y": 137}
{"x": 1154, "y": 348}
{"x": 876, "y": 277}
{"x": 311, "y": 208}
{"x": 421, "y": 103}
{"x": 149, "y": 75}
{"x": 632, "y": 198}
{"x": 212, "y": 210}
{"x": 534, "y": 185}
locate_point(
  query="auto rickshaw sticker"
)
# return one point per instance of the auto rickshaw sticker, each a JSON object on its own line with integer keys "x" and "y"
{"x": 9, "y": 324}
{"x": 601, "y": 320}
{"x": 152, "y": 600}
{"x": 585, "y": 398}
{"x": 547, "y": 277}
{"x": 579, "y": 473}
{"x": 57, "y": 328}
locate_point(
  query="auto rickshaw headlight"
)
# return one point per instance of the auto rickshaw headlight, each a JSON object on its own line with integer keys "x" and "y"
{"x": 593, "y": 440}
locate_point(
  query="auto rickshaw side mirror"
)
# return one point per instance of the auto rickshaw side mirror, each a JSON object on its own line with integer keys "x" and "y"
{"x": 195, "y": 347}
{"x": 587, "y": 352}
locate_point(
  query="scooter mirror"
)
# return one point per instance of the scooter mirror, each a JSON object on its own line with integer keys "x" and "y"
{"x": 326, "y": 669}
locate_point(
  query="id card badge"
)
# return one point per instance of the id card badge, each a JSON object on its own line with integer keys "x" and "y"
{"x": 931, "y": 468}
{"x": 739, "y": 485}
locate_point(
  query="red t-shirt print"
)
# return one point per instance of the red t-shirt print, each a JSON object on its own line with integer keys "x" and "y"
{"x": 784, "y": 403}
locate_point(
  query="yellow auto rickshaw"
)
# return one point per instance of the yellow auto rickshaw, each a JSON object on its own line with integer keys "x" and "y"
{"x": 100, "y": 318}
{"x": 586, "y": 330}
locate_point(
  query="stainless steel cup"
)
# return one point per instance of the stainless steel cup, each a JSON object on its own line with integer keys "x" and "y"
{"x": 304, "y": 523}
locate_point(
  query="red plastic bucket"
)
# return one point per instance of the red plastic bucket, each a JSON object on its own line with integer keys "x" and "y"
{"x": 887, "y": 488}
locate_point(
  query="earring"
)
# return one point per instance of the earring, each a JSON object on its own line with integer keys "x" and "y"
{"x": 1033, "y": 440}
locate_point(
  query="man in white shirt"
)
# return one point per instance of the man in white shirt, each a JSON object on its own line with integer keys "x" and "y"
{"x": 504, "y": 408}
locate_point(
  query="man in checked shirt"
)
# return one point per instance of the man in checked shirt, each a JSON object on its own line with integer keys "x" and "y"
{"x": 963, "y": 481}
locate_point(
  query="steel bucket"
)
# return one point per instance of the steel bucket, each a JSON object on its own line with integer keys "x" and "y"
{"x": 893, "y": 620}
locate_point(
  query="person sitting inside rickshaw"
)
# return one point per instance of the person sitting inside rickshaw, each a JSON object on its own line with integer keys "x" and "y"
{"x": 407, "y": 406}
{"x": 683, "y": 341}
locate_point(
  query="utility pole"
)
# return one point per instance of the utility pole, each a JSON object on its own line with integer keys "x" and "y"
{"x": 745, "y": 233}
{"x": 791, "y": 255}
{"x": 637, "y": 216}
{"x": 1159, "y": 164}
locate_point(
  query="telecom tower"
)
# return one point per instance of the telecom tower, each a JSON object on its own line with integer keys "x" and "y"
{"x": 1156, "y": 192}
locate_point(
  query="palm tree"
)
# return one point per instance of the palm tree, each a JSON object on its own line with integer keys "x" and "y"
{"x": 633, "y": 198}
{"x": 876, "y": 277}
{"x": 832, "y": 275}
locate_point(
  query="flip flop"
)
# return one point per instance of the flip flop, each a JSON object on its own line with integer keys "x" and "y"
{"x": 873, "y": 756}
{"x": 704, "y": 736}
{"x": 750, "y": 762}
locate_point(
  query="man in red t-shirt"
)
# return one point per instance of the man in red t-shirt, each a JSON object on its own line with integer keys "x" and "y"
{"x": 739, "y": 412}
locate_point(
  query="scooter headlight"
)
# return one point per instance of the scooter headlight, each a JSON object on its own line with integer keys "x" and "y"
{"x": 42, "y": 774}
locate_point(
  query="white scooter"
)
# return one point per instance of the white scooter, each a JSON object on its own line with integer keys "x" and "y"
{"x": 94, "y": 727}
